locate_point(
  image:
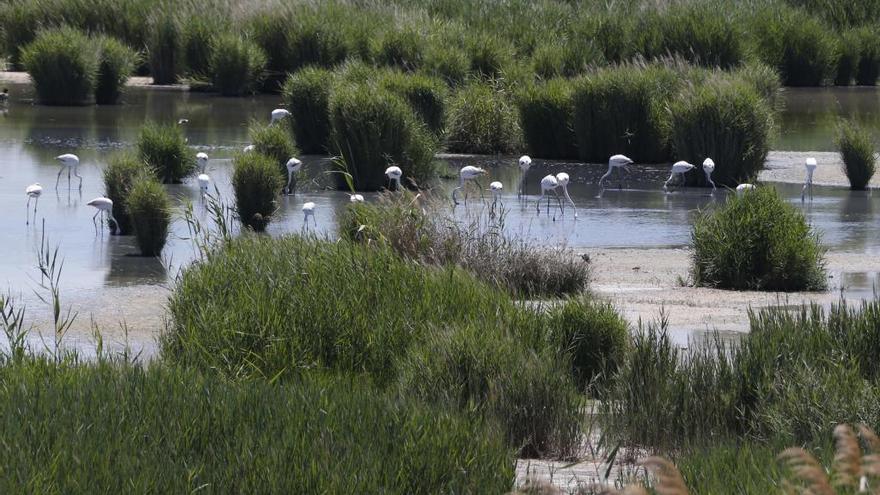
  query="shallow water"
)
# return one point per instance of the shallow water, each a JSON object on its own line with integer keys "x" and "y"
{"x": 638, "y": 215}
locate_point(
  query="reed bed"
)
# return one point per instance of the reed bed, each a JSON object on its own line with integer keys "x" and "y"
{"x": 856, "y": 148}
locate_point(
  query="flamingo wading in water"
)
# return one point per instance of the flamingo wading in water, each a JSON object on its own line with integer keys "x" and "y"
{"x": 496, "y": 187}
{"x": 204, "y": 182}
{"x": 309, "y": 211}
{"x": 202, "y": 160}
{"x": 679, "y": 168}
{"x": 619, "y": 163}
{"x": 69, "y": 162}
{"x": 468, "y": 173}
{"x": 394, "y": 174}
{"x": 525, "y": 163}
{"x": 810, "y": 166}
{"x": 708, "y": 168}
{"x": 104, "y": 207}
{"x": 563, "y": 180}
{"x": 279, "y": 114}
{"x": 293, "y": 167}
{"x": 549, "y": 183}
{"x": 744, "y": 188}
{"x": 33, "y": 191}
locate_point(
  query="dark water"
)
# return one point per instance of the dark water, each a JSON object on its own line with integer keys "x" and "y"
{"x": 810, "y": 116}
{"x": 639, "y": 215}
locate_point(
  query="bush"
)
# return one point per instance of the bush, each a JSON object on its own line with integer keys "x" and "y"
{"x": 447, "y": 62}
{"x": 237, "y": 66}
{"x": 697, "y": 32}
{"x": 546, "y": 114}
{"x": 489, "y": 54}
{"x": 403, "y": 48}
{"x": 856, "y": 148}
{"x": 160, "y": 421}
{"x": 119, "y": 175}
{"x": 316, "y": 43}
{"x": 163, "y": 148}
{"x": 274, "y": 142}
{"x": 372, "y": 129}
{"x": 799, "y": 46}
{"x": 727, "y": 121}
{"x": 868, "y": 68}
{"x": 621, "y": 110}
{"x": 482, "y": 120}
{"x": 426, "y": 96}
{"x": 475, "y": 368}
{"x": 568, "y": 58}
{"x": 149, "y": 209}
{"x": 307, "y": 97}
{"x": 257, "y": 184}
{"x": 848, "y": 58}
{"x": 164, "y": 49}
{"x": 63, "y": 64}
{"x": 199, "y": 35}
{"x": 757, "y": 241}
{"x": 117, "y": 63}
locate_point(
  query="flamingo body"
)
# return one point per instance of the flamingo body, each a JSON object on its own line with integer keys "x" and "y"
{"x": 394, "y": 174}
{"x": 309, "y": 211}
{"x": 616, "y": 162}
{"x": 104, "y": 207}
{"x": 810, "y": 166}
{"x": 33, "y": 191}
{"x": 202, "y": 160}
{"x": 279, "y": 114}
{"x": 708, "y": 168}
{"x": 467, "y": 173}
{"x": 678, "y": 168}
{"x": 563, "y": 180}
{"x": 69, "y": 162}
{"x": 294, "y": 165}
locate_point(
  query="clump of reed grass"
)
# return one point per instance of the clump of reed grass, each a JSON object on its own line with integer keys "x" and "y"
{"x": 848, "y": 58}
{"x": 401, "y": 48}
{"x": 565, "y": 58}
{"x": 307, "y": 96}
{"x": 425, "y": 95}
{"x": 237, "y": 66}
{"x": 373, "y": 129}
{"x": 798, "y": 45}
{"x": 274, "y": 141}
{"x": 63, "y": 64}
{"x": 489, "y": 55}
{"x": 726, "y": 121}
{"x": 121, "y": 171}
{"x": 856, "y": 148}
{"x": 149, "y": 210}
{"x": 164, "y": 149}
{"x": 482, "y": 119}
{"x": 757, "y": 241}
{"x": 257, "y": 183}
{"x": 198, "y": 46}
{"x": 116, "y": 63}
{"x": 868, "y": 68}
{"x": 546, "y": 114}
{"x": 164, "y": 48}
{"x": 695, "y": 31}
{"x": 447, "y": 62}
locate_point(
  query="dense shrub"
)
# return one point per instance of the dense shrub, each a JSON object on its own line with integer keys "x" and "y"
{"x": 199, "y": 35}
{"x": 868, "y": 68}
{"x": 372, "y": 129}
{"x": 482, "y": 119}
{"x": 316, "y": 43}
{"x": 307, "y": 97}
{"x": 764, "y": 79}
{"x": 160, "y": 421}
{"x": 401, "y": 48}
{"x": 856, "y": 148}
{"x": 567, "y": 58}
{"x": 724, "y": 120}
{"x": 621, "y": 110}
{"x": 447, "y": 62}
{"x": 119, "y": 175}
{"x": 546, "y": 114}
{"x": 164, "y": 49}
{"x": 799, "y": 46}
{"x": 257, "y": 183}
{"x": 697, "y": 32}
{"x": 117, "y": 62}
{"x": 163, "y": 147}
{"x": 274, "y": 142}
{"x": 237, "y": 66}
{"x": 426, "y": 96}
{"x": 149, "y": 209}
{"x": 757, "y": 241}
{"x": 63, "y": 64}
{"x": 489, "y": 55}
{"x": 848, "y": 58}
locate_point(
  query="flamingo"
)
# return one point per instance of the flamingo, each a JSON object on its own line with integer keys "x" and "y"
{"x": 467, "y": 173}
{"x": 616, "y": 162}
{"x": 202, "y": 160}
{"x": 679, "y": 168}
{"x": 525, "y": 163}
{"x": 496, "y": 187}
{"x": 204, "y": 182}
{"x": 309, "y": 211}
{"x": 743, "y": 188}
{"x": 708, "y": 168}
{"x": 394, "y": 174}
{"x": 104, "y": 206}
{"x": 69, "y": 162}
{"x": 183, "y": 121}
{"x": 810, "y": 165}
{"x": 549, "y": 183}
{"x": 249, "y": 148}
{"x": 279, "y": 114}
{"x": 563, "y": 180}
{"x": 355, "y": 198}
{"x": 293, "y": 167}
{"x": 33, "y": 191}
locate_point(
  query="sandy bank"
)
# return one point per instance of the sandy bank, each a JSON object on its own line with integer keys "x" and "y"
{"x": 24, "y": 78}
{"x": 788, "y": 167}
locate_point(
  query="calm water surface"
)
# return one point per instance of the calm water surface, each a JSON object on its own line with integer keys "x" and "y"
{"x": 638, "y": 215}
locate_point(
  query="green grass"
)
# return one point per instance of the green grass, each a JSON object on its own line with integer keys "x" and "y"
{"x": 164, "y": 149}
{"x": 757, "y": 241}
{"x": 198, "y": 46}
{"x": 856, "y": 148}
{"x": 307, "y": 96}
{"x": 257, "y": 184}
{"x": 483, "y": 119}
{"x": 164, "y": 48}
{"x": 848, "y": 58}
{"x": 546, "y": 114}
{"x": 117, "y": 62}
{"x": 237, "y": 66}
{"x": 426, "y": 97}
{"x": 64, "y": 65}
{"x": 121, "y": 171}
{"x": 275, "y": 142}
{"x": 868, "y": 68}
{"x": 149, "y": 210}
{"x": 400, "y": 48}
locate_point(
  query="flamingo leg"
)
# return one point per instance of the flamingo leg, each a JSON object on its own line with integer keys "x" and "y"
{"x": 115, "y": 222}
{"x": 568, "y": 197}
{"x": 454, "y": 198}
{"x": 289, "y": 179}
{"x": 520, "y": 191}
{"x": 804, "y": 191}
{"x": 68, "y": 178}
{"x": 27, "y": 210}
{"x": 602, "y": 180}
{"x": 559, "y": 201}
{"x": 58, "y": 179}
{"x": 36, "y": 201}
{"x": 538, "y": 203}
{"x": 76, "y": 174}
{"x": 95, "y": 220}
{"x": 480, "y": 187}
{"x": 666, "y": 184}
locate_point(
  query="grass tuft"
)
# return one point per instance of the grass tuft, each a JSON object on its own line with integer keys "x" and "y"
{"x": 117, "y": 63}
{"x": 307, "y": 97}
{"x": 119, "y": 175}
{"x": 482, "y": 119}
{"x": 257, "y": 183}
{"x": 149, "y": 209}
{"x": 856, "y": 148}
{"x": 63, "y": 64}
{"x": 164, "y": 149}
{"x": 237, "y": 66}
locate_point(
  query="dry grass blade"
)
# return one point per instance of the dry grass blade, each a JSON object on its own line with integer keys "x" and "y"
{"x": 669, "y": 480}
{"x": 628, "y": 490}
{"x": 847, "y": 458}
{"x": 537, "y": 488}
{"x": 807, "y": 470}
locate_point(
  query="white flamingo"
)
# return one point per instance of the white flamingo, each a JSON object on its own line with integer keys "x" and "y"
{"x": 548, "y": 183}
{"x": 104, "y": 207}
{"x": 394, "y": 174}
{"x": 202, "y": 160}
{"x": 678, "y": 168}
{"x": 293, "y": 165}
{"x": 810, "y": 166}
{"x": 525, "y": 163}
{"x": 563, "y": 180}
{"x": 743, "y": 188}
{"x": 204, "y": 182}
{"x": 33, "y": 191}
{"x": 279, "y": 114}
{"x": 355, "y": 198}
{"x": 249, "y": 148}
{"x": 467, "y": 173}
{"x": 69, "y": 162}
{"x": 619, "y": 163}
{"x": 496, "y": 187}
{"x": 309, "y": 211}
{"x": 182, "y": 121}
{"x": 708, "y": 168}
